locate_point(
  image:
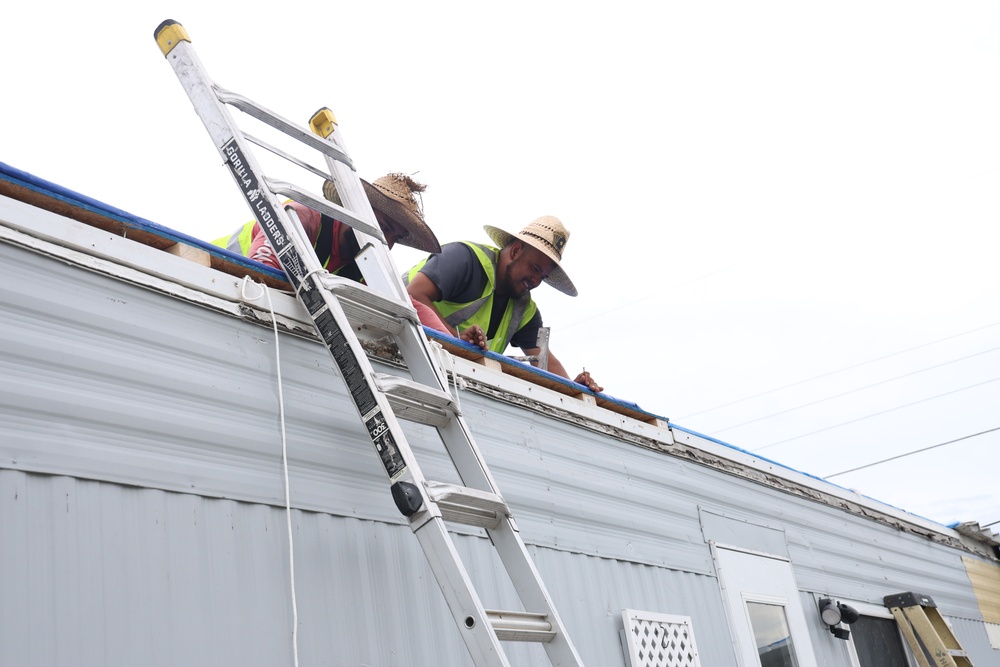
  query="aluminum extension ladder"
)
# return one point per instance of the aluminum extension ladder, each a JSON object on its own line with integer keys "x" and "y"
{"x": 335, "y": 303}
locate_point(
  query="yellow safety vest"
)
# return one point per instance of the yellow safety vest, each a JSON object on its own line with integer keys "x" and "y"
{"x": 239, "y": 241}
{"x": 463, "y": 315}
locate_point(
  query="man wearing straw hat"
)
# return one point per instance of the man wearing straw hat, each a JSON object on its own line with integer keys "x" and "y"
{"x": 395, "y": 200}
{"x": 484, "y": 291}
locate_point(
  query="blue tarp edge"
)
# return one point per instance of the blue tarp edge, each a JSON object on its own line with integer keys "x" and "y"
{"x": 32, "y": 182}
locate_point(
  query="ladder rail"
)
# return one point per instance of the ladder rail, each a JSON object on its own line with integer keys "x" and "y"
{"x": 911, "y": 638}
{"x": 381, "y": 272}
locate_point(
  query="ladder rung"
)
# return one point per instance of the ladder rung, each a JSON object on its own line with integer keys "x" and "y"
{"x": 520, "y": 626}
{"x": 415, "y": 411}
{"x": 417, "y": 402}
{"x": 470, "y": 507}
{"x": 324, "y": 206}
{"x": 393, "y": 385}
{"x": 265, "y": 115}
{"x": 287, "y": 156}
{"x": 364, "y": 306}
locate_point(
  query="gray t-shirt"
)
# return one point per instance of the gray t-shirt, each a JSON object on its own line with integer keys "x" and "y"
{"x": 456, "y": 271}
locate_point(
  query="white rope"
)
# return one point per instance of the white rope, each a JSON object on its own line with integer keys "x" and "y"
{"x": 306, "y": 277}
{"x": 284, "y": 462}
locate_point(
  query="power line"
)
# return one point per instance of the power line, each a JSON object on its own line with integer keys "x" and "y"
{"x": 875, "y": 414}
{"x": 916, "y": 451}
{"x": 840, "y": 370}
{"x": 846, "y": 393}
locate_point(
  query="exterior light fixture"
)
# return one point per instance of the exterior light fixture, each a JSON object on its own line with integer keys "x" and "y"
{"x": 835, "y": 613}
{"x": 848, "y": 614}
{"x": 828, "y": 611}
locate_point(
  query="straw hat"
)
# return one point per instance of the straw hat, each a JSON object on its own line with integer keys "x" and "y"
{"x": 396, "y": 196}
{"x": 547, "y": 235}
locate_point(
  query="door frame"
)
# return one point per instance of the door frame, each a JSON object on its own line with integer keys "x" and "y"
{"x": 797, "y": 620}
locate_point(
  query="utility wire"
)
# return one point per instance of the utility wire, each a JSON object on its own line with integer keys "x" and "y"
{"x": 916, "y": 451}
{"x": 846, "y": 393}
{"x": 875, "y": 414}
{"x": 840, "y": 370}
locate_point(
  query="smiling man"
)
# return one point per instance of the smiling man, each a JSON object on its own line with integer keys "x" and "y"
{"x": 484, "y": 291}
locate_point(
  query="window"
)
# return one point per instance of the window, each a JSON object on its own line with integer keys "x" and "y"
{"x": 771, "y": 634}
{"x": 877, "y": 642}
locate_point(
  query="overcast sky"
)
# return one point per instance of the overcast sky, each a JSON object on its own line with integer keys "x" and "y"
{"x": 784, "y": 216}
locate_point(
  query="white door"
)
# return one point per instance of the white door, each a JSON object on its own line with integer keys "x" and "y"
{"x": 765, "y": 614}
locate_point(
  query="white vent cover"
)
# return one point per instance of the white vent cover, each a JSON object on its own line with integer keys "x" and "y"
{"x": 659, "y": 640}
{"x": 993, "y": 632}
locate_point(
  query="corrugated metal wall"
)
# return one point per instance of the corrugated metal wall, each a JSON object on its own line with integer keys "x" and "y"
{"x": 105, "y": 574}
{"x": 174, "y": 553}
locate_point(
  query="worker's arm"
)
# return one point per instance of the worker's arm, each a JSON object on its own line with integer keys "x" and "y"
{"x": 424, "y": 292}
{"x": 555, "y": 366}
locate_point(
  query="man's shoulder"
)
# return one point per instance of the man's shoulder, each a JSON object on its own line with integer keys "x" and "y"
{"x": 461, "y": 254}
{"x": 457, "y": 272}
{"x": 465, "y": 249}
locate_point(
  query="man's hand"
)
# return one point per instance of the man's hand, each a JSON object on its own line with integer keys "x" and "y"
{"x": 475, "y": 335}
{"x": 587, "y": 381}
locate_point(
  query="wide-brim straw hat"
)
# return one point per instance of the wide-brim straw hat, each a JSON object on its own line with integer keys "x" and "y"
{"x": 548, "y": 235}
{"x": 396, "y": 196}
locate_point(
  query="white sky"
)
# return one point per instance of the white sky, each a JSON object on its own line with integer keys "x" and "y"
{"x": 758, "y": 193}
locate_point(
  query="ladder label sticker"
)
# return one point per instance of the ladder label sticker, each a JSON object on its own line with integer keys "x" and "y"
{"x": 263, "y": 211}
{"x": 354, "y": 375}
{"x": 381, "y": 436}
{"x": 357, "y": 384}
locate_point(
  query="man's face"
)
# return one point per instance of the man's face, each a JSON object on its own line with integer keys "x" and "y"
{"x": 393, "y": 231}
{"x": 527, "y": 268}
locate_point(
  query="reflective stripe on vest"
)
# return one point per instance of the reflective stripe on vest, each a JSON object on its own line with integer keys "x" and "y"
{"x": 464, "y": 315}
{"x": 239, "y": 241}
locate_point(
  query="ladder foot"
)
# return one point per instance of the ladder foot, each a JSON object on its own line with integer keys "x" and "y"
{"x": 406, "y": 495}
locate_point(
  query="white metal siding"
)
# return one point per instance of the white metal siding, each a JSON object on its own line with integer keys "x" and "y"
{"x": 140, "y": 469}
{"x": 104, "y": 574}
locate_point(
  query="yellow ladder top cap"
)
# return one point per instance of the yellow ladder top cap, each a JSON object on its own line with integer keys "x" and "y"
{"x": 169, "y": 34}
